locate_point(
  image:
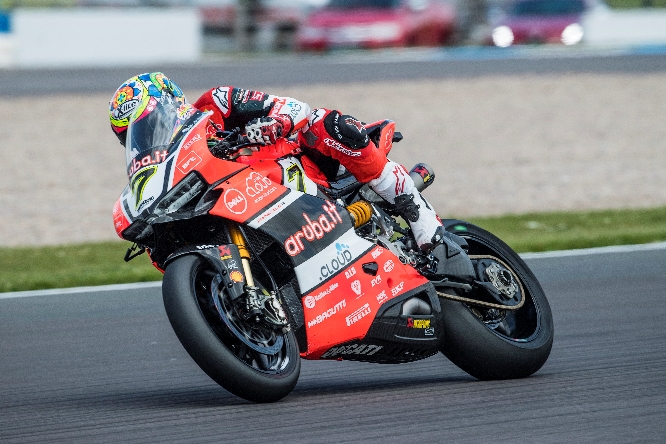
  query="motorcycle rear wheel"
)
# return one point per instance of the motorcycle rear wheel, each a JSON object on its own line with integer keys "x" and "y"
{"x": 502, "y": 344}
{"x": 243, "y": 371}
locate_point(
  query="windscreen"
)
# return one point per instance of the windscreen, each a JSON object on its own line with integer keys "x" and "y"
{"x": 549, "y": 7}
{"x": 149, "y": 135}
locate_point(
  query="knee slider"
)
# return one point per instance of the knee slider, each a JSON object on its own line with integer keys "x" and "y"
{"x": 346, "y": 130}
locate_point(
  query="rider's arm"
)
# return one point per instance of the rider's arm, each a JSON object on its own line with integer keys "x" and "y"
{"x": 235, "y": 107}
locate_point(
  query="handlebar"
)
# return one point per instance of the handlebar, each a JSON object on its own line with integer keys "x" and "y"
{"x": 231, "y": 142}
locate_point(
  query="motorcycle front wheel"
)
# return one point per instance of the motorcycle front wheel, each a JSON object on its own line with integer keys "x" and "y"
{"x": 489, "y": 343}
{"x": 254, "y": 362}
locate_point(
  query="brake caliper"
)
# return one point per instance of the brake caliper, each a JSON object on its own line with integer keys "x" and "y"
{"x": 266, "y": 308}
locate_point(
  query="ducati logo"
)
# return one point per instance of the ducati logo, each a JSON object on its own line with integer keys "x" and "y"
{"x": 356, "y": 286}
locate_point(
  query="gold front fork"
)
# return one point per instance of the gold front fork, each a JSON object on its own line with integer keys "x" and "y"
{"x": 238, "y": 239}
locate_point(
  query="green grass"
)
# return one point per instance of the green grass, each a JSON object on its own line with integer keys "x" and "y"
{"x": 625, "y": 4}
{"x": 564, "y": 231}
{"x": 32, "y": 268}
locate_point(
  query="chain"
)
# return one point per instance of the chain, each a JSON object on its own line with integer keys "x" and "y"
{"x": 489, "y": 304}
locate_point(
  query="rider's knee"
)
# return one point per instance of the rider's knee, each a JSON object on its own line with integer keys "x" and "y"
{"x": 346, "y": 130}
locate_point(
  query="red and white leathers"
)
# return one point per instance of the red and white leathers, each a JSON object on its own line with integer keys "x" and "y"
{"x": 335, "y": 139}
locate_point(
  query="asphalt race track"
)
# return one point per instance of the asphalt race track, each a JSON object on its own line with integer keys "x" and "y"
{"x": 104, "y": 366}
{"x": 293, "y": 70}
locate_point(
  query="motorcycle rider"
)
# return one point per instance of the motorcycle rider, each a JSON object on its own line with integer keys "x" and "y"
{"x": 328, "y": 137}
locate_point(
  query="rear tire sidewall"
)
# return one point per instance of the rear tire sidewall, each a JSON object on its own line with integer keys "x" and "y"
{"x": 480, "y": 351}
{"x": 208, "y": 351}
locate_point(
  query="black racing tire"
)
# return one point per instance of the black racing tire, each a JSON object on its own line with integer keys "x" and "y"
{"x": 488, "y": 352}
{"x": 211, "y": 343}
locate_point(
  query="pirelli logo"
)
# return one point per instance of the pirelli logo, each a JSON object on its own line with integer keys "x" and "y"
{"x": 358, "y": 315}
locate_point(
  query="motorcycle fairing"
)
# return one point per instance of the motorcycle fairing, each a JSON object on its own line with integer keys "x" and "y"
{"x": 395, "y": 337}
{"x": 246, "y": 194}
{"x": 344, "y": 307}
{"x": 160, "y": 169}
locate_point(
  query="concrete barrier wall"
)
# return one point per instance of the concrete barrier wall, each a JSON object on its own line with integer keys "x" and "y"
{"x": 101, "y": 37}
{"x": 622, "y": 28}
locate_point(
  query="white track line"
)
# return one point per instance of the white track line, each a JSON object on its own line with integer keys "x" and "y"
{"x": 529, "y": 256}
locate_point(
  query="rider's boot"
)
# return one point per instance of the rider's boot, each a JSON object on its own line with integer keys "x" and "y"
{"x": 447, "y": 250}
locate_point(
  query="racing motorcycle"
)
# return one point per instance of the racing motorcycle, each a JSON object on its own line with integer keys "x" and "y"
{"x": 267, "y": 262}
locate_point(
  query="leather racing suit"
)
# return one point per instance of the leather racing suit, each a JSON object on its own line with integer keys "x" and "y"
{"x": 328, "y": 138}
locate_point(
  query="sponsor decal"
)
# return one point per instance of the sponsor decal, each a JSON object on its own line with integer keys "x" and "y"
{"x": 257, "y": 186}
{"x": 356, "y": 286}
{"x": 398, "y": 288}
{"x": 328, "y": 313}
{"x": 351, "y": 272}
{"x": 310, "y": 301}
{"x": 235, "y": 201}
{"x": 274, "y": 210}
{"x": 125, "y": 109}
{"x": 257, "y": 95}
{"x": 423, "y": 172}
{"x": 225, "y": 252}
{"x": 230, "y": 263}
{"x": 334, "y": 258}
{"x": 381, "y": 297}
{"x": 313, "y": 230}
{"x": 358, "y": 315}
{"x": 145, "y": 203}
{"x": 295, "y": 109}
{"x": 150, "y": 159}
{"x": 389, "y": 266}
{"x": 343, "y": 149}
{"x": 429, "y": 331}
{"x": 342, "y": 258}
{"x": 353, "y": 122}
{"x": 418, "y": 323}
{"x": 236, "y": 276}
{"x": 196, "y": 138}
{"x": 376, "y": 280}
{"x": 376, "y": 252}
{"x": 189, "y": 163}
{"x": 221, "y": 99}
{"x": 354, "y": 349}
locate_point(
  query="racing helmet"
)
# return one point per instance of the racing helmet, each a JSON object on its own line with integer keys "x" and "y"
{"x": 131, "y": 99}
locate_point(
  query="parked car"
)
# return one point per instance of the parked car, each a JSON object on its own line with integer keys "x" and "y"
{"x": 540, "y": 21}
{"x": 378, "y": 23}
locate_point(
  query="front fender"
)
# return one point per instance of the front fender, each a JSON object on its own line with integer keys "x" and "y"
{"x": 225, "y": 260}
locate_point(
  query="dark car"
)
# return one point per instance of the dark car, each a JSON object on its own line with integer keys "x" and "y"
{"x": 378, "y": 23}
{"x": 540, "y": 21}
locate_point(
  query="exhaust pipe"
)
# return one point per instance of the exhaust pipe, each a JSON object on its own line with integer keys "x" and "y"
{"x": 422, "y": 175}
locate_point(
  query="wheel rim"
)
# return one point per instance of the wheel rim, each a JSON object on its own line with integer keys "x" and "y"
{"x": 521, "y": 325}
{"x": 259, "y": 347}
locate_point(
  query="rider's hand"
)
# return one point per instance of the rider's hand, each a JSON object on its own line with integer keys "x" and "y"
{"x": 264, "y": 130}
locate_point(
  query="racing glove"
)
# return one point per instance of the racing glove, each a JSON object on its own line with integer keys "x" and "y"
{"x": 265, "y": 130}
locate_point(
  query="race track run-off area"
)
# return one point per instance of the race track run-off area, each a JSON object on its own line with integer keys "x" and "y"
{"x": 105, "y": 366}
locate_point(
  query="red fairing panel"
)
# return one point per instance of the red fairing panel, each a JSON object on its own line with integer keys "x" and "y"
{"x": 246, "y": 194}
{"x": 343, "y": 308}
{"x": 120, "y": 221}
{"x": 193, "y": 154}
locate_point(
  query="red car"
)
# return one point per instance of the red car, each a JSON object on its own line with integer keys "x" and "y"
{"x": 378, "y": 23}
{"x": 540, "y": 21}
